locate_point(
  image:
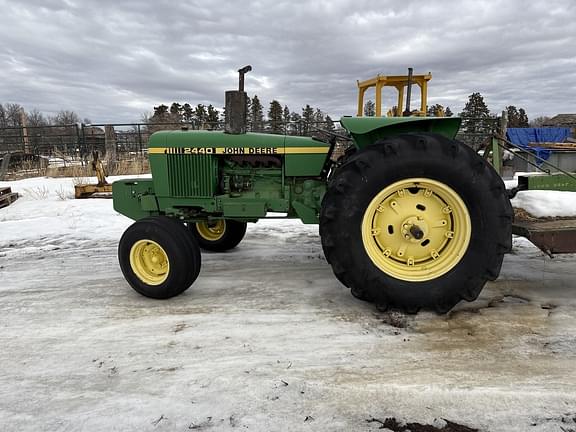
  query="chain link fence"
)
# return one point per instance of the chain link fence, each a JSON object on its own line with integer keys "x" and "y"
{"x": 64, "y": 145}
{"x": 37, "y": 148}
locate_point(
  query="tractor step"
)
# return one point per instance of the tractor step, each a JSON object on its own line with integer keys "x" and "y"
{"x": 7, "y": 197}
{"x": 554, "y": 236}
{"x": 93, "y": 191}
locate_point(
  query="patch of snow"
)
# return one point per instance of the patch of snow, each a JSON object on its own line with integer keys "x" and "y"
{"x": 543, "y": 203}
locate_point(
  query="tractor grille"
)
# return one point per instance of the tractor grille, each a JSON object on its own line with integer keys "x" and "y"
{"x": 191, "y": 175}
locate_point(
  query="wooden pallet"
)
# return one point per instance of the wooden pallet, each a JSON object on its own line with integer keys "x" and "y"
{"x": 93, "y": 191}
{"x": 554, "y": 145}
{"x": 4, "y": 164}
{"x": 7, "y": 197}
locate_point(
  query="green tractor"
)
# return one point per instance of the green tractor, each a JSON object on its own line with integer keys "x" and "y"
{"x": 409, "y": 218}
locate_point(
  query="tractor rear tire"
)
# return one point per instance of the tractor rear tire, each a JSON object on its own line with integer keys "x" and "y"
{"x": 416, "y": 221}
{"x": 158, "y": 258}
{"x": 218, "y": 236}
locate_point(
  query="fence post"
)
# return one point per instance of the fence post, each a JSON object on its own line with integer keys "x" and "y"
{"x": 139, "y": 140}
{"x": 497, "y": 151}
{"x": 83, "y": 151}
{"x": 110, "y": 146}
{"x": 25, "y": 141}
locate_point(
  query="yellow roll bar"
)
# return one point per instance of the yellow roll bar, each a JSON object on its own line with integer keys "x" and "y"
{"x": 399, "y": 82}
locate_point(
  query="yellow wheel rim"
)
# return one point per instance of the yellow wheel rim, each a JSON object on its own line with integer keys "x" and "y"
{"x": 149, "y": 262}
{"x": 416, "y": 229}
{"x": 211, "y": 231}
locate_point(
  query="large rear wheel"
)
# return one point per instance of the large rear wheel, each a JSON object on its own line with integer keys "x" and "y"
{"x": 158, "y": 258}
{"x": 416, "y": 221}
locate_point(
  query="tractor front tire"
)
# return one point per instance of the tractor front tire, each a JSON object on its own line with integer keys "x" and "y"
{"x": 416, "y": 221}
{"x": 218, "y": 236}
{"x": 158, "y": 258}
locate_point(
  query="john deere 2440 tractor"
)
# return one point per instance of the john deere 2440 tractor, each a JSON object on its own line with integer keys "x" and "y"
{"x": 409, "y": 218}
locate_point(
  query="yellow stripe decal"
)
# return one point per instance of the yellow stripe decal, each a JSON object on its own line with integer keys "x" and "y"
{"x": 239, "y": 150}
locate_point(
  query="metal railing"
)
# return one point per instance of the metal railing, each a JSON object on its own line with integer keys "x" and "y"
{"x": 77, "y": 141}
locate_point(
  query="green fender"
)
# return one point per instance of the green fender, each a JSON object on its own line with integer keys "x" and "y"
{"x": 367, "y": 130}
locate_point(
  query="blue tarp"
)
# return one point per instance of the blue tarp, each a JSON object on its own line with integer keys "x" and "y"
{"x": 523, "y": 136}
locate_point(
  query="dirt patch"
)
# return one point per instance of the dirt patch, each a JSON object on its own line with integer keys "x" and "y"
{"x": 523, "y": 215}
{"x": 395, "y": 319}
{"x": 392, "y": 424}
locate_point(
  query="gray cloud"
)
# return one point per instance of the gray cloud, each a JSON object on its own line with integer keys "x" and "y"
{"x": 114, "y": 60}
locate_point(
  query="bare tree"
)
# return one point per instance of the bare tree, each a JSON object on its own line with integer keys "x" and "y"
{"x": 539, "y": 121}
{"x": 65, "y": 117}
{"x": 13, "y": 113}
{"x": 36, "y": 118}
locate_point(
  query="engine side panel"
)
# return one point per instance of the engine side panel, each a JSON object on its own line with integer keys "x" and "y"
{"x": 205, "y": 174}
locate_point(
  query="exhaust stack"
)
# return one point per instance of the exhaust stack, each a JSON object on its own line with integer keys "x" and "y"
{"x": 408, "y": 113}
{"x": 235, "y": 116}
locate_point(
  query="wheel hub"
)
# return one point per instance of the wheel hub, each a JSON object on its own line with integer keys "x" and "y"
{"x": 212, "y": 231}
{"x": 149, "y": 262}
{"x": 416, "y": 229}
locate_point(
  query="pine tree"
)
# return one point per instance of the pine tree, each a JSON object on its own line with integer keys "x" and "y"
{"x": 187, "y": 113}
{"x": 307, "y": 119}
{"x": 257, "y": 115}
{"x": 175, "y": 112}
{"x": 200, "y": 116}
{"x": 448, "y": 112}
{"x": 248, "y": 114}
{"x": 212, "y": 117}
{"x": 329, "y": 123}
{"x": 522, "y": 118}
{"x": 475, "y": 125}
{"x": 369, "y": 108}
{"x": 512, "y": 114}
{"x": 296, "y": 124}
{"x": 475, "y": 107}
{"x": 435, "y": 110}
{"x": 517, "y": 118}
{"x": 159, "y": 117}
{"x": 286, "y": 119}
{"x": 275, "y": 117}
{"x": 160, "y": 110}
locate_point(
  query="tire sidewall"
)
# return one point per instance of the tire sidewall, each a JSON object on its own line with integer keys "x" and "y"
{"x": 463, "y": 174}
{"x": 183, "y": 270}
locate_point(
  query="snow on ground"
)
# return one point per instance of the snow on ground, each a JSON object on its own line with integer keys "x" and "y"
{"x": 265, "y": 340}
{"x": 541, "y": 203}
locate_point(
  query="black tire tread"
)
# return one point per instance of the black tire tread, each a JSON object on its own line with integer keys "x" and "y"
{"x": 183, "y": 253}
{"x": 340, "y": 208}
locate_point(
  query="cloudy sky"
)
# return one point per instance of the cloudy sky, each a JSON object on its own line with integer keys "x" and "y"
{"x": 113, "y": 60}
